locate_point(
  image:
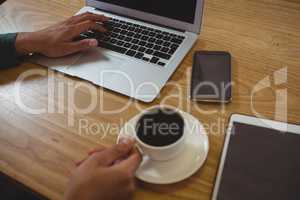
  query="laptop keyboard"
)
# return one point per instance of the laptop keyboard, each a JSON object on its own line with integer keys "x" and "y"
{"x": 137, "y": 41}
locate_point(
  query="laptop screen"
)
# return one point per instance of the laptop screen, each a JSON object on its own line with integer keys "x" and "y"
{"x": 178, "y": 10}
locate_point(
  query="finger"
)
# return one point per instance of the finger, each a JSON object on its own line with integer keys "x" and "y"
{"x": 118, "y": 151}
{"x": 75, "y": 47}
{"x": 131, "y": 164}
{"x": 87, "y": 16}
{"x": 91, "y": 152}
{"x": 99, "y": 149}
{"x": 75, "y": 30}
{"x": 133, "y": 150}
{"x": 81, "y": 45}
{"x": 80, "y": 162}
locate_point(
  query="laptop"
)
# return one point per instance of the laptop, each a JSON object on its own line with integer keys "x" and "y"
{"x": 146, "y": 42}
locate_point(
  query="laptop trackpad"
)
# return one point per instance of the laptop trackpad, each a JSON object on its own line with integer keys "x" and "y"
{"x": 96, "y": 66}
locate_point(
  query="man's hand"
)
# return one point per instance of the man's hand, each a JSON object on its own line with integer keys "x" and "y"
{"x": 58, "y": 40}
{"x": 107, "y": 174}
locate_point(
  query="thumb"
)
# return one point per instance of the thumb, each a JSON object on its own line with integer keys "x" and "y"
{"x": 81, "y": 45}
{"x": 130, "y": 164}
{"x": 114, "y": 153}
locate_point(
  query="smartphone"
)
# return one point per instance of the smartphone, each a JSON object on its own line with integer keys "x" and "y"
{"x": 10, "y": 189}
{"x": 211, "y": 77}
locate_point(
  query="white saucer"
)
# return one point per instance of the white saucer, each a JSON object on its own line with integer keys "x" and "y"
{"x": 189, "y": 161}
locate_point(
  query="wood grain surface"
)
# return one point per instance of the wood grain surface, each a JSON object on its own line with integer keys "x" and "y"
{"x": 39, "y": 150}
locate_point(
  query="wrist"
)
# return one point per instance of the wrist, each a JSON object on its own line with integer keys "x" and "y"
{"x": 26, "y": 43}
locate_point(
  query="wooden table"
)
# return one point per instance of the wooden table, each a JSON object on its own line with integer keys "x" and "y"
{"x": 40, "y": 149}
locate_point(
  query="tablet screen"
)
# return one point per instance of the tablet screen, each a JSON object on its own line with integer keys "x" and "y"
{"x": 261, "y": 164}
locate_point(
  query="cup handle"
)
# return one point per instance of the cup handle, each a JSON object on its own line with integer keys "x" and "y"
{"x": 140, "y": 150}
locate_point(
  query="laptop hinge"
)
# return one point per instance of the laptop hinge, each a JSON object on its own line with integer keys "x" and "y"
{"x": 134, "y": 18}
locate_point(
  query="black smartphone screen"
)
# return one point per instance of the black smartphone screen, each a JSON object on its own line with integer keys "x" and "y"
{"x": 211, "y": 76}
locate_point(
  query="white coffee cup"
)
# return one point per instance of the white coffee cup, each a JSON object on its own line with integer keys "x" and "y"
{"x": 161, "y": 153}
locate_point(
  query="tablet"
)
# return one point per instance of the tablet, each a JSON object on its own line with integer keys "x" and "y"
{"x": 260, "y": 160}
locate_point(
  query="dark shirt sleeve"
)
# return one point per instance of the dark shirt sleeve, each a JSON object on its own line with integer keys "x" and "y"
{"x": 8, "y": 54}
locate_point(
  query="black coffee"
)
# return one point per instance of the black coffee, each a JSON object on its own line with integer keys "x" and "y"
{"x": 161, "y": 127}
